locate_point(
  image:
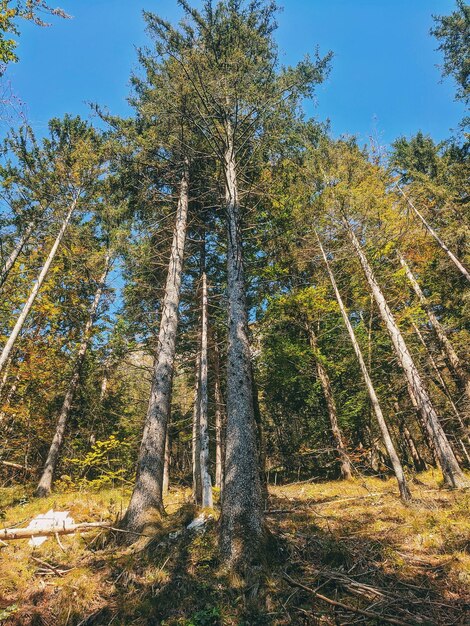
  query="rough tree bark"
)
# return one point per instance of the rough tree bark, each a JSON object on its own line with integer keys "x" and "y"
{"x": 458, "y": 264}
{"x": 45, "y": 482}
{"x": 451, "y": 354}
{"x": 331, "y": 406}
{"x": 242, "y": 517}
{"x": 452, "y": 473}
{"x": 35, "y": 289}
{"x": 394, "y": 459}
{"x": 147, "y": 497}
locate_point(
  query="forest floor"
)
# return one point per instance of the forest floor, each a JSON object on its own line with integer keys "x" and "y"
{"x": 350, "y": 543}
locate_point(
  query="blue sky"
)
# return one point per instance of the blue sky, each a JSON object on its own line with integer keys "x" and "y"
{"x": 384, "y": 79}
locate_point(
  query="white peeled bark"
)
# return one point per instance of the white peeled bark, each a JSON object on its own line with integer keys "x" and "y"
{"x": 452, "y": 473}
{"x": 219, "y": 412}
{"x": 394, "y": 459}
{"x": 206, "y": 483}
{"x": 458, "y": 264}
{"x": 35, "y": 289}
{"x": 146, "y": 500}
{"x": 45, "y": 482}
{"x": 9, "y": 263}
{"x": 446, "y": 345}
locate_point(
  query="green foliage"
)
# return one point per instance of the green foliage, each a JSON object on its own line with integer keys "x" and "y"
{"x": 453, "y": 33}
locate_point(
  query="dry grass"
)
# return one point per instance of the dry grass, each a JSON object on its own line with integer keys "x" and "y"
{"x": 354, "y": 542}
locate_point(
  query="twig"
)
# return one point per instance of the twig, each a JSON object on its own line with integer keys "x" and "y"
{"x": 346, "y": 607}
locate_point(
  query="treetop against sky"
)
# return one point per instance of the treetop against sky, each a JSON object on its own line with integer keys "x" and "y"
{"x": 384, "y": 81}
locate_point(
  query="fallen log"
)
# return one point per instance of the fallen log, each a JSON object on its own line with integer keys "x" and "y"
{"x": 10, "y": 534}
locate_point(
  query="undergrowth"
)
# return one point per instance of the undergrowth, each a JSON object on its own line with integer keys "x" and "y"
{"x": 352, "y": 542}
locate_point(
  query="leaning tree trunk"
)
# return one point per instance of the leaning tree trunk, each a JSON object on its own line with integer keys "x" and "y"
{"x": 392, "y": 453}
{"x": 35, "y": 290}
{"x": 206, "y": 483}
{"x": 452, "y": 473}
{"x": 9, "y": 263}
{"x": 459, "y": 265}
{"x": 45, "y": 483}
{"x": 242, "y": 518}
{"x": 147, "y": 497}
{"x": 452, "y": 357}
{"x": 442, "y": 383}
{"x": 331, "y": 406}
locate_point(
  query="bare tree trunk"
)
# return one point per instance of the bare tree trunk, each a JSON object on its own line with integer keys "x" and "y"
{"x": 146, "y": 500}
{"x": 206, "y": 483}
{"x": 453, "y": 475}
{"x": 196, "y": 438}
{"x": 35, "y": 290}
{"x": 394, "y": 459}
{"x": 432, "y": 232}
{"x": 166, "y": 467}
{"x": 9, "y": 263}
{"x": 45, "y": 483}
{"x": 442, "y": 383}
{"x": 242, "y": 517}
{"x": 219, "y": 419}
{"x": 331, "y": 406}
{"x": 451, "y": 354}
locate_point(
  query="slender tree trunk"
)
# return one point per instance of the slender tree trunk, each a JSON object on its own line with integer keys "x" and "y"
{"x": 442, "y": 383}
{"x": 242, "y": 517}
{"x": 196, "y": 438}
{"x": 166, "y": 467}
{"x": 45, "y": 483}
{"x": 451, "y": 354}
{"x": 219, "y": 418}
{"x": 452, "y": 473}
{"x": 394, "y": 459}
{"x": 146, "y": 500}
{"x": 325, "y": 382}
{"x": 458, "y": 264}
{"x": 35, "y": 290}
{"x": 9, "y": 263}
{"x": 206, "y": 483}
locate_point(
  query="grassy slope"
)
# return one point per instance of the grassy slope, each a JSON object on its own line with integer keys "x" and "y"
{"x": 353, "y": 542}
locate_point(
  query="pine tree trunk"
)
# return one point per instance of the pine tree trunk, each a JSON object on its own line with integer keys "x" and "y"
{"x": 242, "y": 518}
{"x": 458, "y": 264}
{"x": 45, "y": 483}
{"x": 166, "y": 467}
{"x": 451, "y": 354}
{"x": 452, "y": 473}
{"x": 325, "y": 382}
{"x": 206, "y": 484}
{"x": 35, "y": 289}
{"x": 394, "y": 459}
{"x": 9, "y": 263}
{"x": 196, "y": 438}
{"x": 146, "y": 501}
{"x": 219, "y": 419}
{"x": 442, "y": 383}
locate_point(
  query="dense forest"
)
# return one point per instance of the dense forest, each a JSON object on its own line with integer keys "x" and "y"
{"x": 214, "y": 310}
